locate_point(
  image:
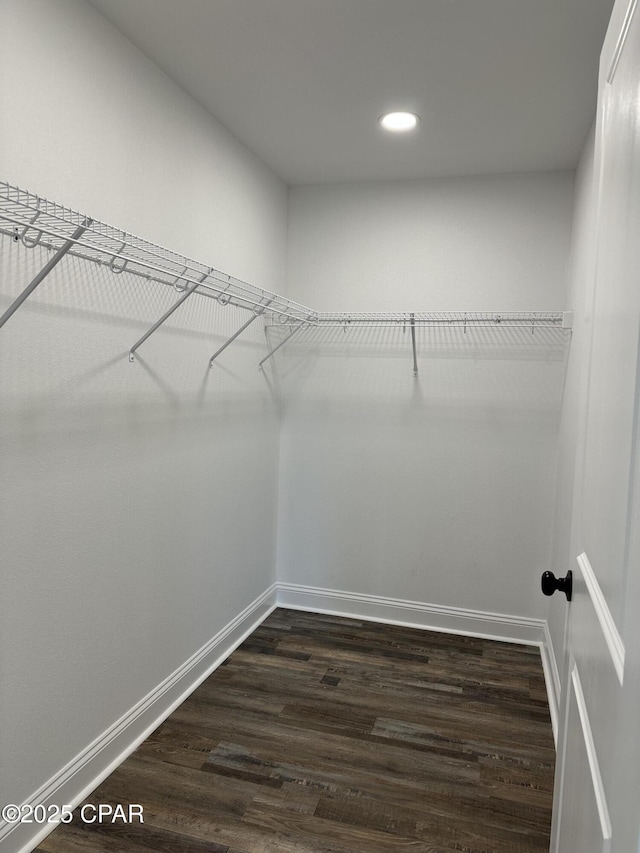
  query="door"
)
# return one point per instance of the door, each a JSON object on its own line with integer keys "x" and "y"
{"x": 597, "y": 794}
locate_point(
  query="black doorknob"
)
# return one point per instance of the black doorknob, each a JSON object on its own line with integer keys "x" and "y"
{"x": 550, "y": 583}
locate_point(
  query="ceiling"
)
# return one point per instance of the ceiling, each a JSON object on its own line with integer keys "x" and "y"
{"x": 500, "y": 85}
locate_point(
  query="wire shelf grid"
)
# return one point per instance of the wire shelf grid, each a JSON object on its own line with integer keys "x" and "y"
{"x": 461, "y": 319}
{"x": 35, "y": 220}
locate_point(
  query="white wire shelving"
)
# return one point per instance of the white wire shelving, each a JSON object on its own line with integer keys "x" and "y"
{"x": 523, "y": 320}
{"x": 461, "y": 319}
{"x": 36, "y": 221}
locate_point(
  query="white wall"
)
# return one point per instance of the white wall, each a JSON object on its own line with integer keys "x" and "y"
{"x": 138, "y": 500}
{"x": 438, "y": 489}
{"x": 476, "y": 244}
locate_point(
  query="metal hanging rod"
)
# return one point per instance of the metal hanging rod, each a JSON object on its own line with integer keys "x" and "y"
{"x": 34, "y": 221}
{"x": 530, "y": 320}
{"x": 450, "y": 319}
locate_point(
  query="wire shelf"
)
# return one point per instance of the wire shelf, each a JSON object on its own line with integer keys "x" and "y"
{"x": 461, "y": 319}
{"x": 35, "y": 220}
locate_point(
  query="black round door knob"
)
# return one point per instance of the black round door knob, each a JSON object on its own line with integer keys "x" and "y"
{"x": 550, "y": 583}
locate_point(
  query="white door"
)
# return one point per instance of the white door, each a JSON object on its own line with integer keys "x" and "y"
{"x": 597, "y": 798}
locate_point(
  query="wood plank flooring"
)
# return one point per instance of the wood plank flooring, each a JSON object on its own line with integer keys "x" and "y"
{"x": 329, "y": 735}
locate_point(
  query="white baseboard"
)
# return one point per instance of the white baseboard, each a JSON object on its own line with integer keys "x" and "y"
{"x": 75, "y": 782}
{"x": 416, "y": 614}
{"x": 433, "y": 617}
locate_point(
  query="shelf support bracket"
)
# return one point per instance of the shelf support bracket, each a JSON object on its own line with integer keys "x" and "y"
{"x": 237, "y": 334}
{"x": 166, "y": 315}
{"x": 281, "y": 344}
{"x": 413, "y": 343}
{"x": 44, "y": 272}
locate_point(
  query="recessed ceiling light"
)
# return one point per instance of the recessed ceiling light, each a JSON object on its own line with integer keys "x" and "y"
{"x": 399, "y": 121}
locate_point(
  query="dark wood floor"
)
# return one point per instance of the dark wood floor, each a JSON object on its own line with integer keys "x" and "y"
{"x": 330, "y": 735}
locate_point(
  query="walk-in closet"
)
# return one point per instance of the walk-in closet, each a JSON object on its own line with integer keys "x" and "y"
{"x": 319, "y": 439}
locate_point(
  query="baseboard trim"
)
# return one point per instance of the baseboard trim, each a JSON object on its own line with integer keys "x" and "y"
{"x": 76, "y": 781}
{"x": 416, "y": 614}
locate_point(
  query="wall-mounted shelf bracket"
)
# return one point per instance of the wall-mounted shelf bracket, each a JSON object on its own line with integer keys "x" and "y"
{"x": 175, "y": 305}
{"x": 44, "y": 272}
{"x": 282, "y": 343}
{"x": 256, "y": 313}
{"x": 412, "y": 320}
